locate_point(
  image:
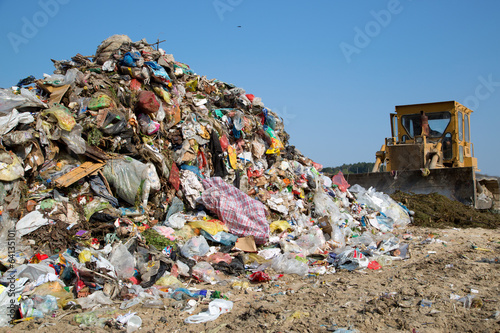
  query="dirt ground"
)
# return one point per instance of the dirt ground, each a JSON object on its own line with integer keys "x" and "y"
{"x": 420, "y": 294}
{"x": 443, "y": 262}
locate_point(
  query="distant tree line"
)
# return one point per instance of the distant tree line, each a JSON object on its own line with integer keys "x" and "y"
{"x": 360, "y": 167}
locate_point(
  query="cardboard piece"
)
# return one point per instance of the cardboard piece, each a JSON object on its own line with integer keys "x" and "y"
{"x": 101, "y": 117}
{"x": 246, "y": 244}
{"x": 56, "y": 93}
{"x": 78, "y": 173}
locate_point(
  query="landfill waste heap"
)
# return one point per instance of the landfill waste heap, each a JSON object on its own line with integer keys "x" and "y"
{"x": 125, "y": 175}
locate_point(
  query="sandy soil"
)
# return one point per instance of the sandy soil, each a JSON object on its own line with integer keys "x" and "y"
{"x": 448, "y": 263}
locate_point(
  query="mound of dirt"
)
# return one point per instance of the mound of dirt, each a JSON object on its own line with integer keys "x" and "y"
{"x": 437, "y": 211}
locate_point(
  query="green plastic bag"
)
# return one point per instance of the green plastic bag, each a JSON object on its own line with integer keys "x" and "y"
{"x": 100, "y": 102}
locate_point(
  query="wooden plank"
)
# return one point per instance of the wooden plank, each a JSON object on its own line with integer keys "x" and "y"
{"x": 78, "y": 173}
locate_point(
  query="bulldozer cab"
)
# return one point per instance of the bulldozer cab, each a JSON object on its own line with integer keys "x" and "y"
{"x": 433, "y": 129}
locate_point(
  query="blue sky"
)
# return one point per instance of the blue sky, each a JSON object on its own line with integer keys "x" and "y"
{"x": 333, "y": 70}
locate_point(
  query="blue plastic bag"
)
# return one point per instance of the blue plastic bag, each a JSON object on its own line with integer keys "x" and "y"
{"x": 158, "y": 71}
{"x": 130, "y": 58}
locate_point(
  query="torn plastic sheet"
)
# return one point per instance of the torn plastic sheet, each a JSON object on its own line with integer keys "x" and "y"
{"x": 30, "y": 223}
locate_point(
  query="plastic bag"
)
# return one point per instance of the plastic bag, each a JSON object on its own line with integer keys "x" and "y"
{"x": 196, "y": 246}
{"x": 9, "y": 300}
{"x": 215, "y": 309}
{"x": 164, "y": 94}
{"x": 280, "y": 226}
{"x": 64, "y": 117}
{"x": 148, "y": 126}
{"x": 11, "y": 167}
{"x": 243, "y": 215}
{"x": 10, "y": 121}
{"x": 38, "y": 306}
{"x": 71, "y": 75}
{"x": 132, "y": 59}
{"x": 97, "y": 185}
{"x": 282, "y": 264}
{"x": 176, "y": 206}
{"x": 182, "y": 268}
{"x": 159, "y": 73}
{"x": 95, "y": 206}
{"x": 383, "y": 203}
{"x": 352, "y": 259}
{"x": 30, "y": 223}
{"x": 148, "y": 102}
{"x": 204, "y": 271}
{"x": 9, "y": 100}
{"x": 85, "y": 256}
{"x": 176, "y": 221}
{"x": 55, "y": 80}
{"x": 31, "y": 272}
{"x": 211, "y": 226}
{"x": 221, "y": 237}
{"x": 340, "y": 181}
{"x": 324, "y": 205}
{"x": 132, "y": 179}
{"x": 311, "y": 241}
{"x": 169, "y": 281}
{"x": 97, "y": 298}
{"x": 100, "y": 102}
{"x": 123, "y": 262}
{"x": 74, "y": 139}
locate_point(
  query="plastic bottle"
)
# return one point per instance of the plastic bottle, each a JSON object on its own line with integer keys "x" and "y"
{"x": 130, "y": 303}
{"x": 153, "y": 303}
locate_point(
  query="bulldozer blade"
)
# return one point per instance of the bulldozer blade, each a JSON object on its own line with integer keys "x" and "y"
{"x": 455, "y": 183}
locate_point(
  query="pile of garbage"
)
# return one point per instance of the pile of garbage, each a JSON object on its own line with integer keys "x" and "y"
{"x": 125, "y": 175}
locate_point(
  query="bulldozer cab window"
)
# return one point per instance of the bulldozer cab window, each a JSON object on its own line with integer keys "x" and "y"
{"x": 460, "y": 126}
{"x": 438, "y": 122}
{"x": 466, "y": 128}
{"x": 446, "y": 146}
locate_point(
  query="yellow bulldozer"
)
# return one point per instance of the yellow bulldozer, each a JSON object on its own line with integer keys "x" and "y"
{"x": 430, "y": 150}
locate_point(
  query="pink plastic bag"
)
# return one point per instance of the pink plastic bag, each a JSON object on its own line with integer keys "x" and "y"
{"x": 340, "y": 181}
{"x": 224, "y": 142}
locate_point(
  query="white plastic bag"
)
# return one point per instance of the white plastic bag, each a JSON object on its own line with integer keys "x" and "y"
{"x": 196, "y": 246}
{"x": 123, "y": 261}
{"x": 97, "y": 298}
{"x": 383, "y": 203}
{"x": 176, "y": 221}
{"x": 74, "y": 139}
{"x": 282, "y": 264}
{"x": 204, "y": 271}
{"x": 11, "y": 167}
{"x": 11, "y": 120}
{"x": 9, "y": 100}
{"x": 324, "y": 204}
{"x": 132, "y": 179}
{"x": 215, "y": 309}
